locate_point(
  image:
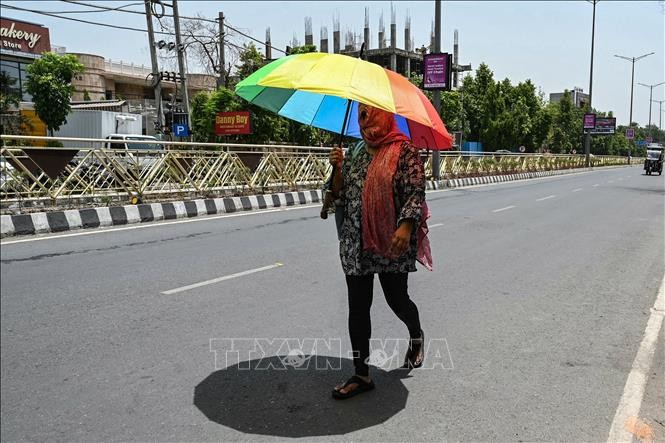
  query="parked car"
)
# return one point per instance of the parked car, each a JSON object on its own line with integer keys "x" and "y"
{"x": 116, "y": 141}
{"x": 135, "y": 160}
{"x": 502, "y": 153}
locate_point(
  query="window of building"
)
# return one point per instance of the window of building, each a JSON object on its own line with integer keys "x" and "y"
{"x": 17, "y": 73}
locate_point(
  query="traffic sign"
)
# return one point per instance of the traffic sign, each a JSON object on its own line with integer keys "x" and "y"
{"x": 630, "y": 133}
{"x": 641, "y": 142}
{"x": 180, "y": 130}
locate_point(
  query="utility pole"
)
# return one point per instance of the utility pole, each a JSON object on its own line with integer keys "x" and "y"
{"x": 436, "y": 159}
{"x": 222, "y": 59}
{"x": 587, "y": 138}
{"x": 156, "y": 80}
{"x": 181, "y": 58}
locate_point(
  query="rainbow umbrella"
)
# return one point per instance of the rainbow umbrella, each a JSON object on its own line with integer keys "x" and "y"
{"x": 323, "y": 90}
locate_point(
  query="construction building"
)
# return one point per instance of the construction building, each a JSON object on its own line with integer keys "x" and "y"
{"x": 406, "y": 60}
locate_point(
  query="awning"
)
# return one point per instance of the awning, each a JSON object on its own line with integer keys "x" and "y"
{"x": 100, "y": 105}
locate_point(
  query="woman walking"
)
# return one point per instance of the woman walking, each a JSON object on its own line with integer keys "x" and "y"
{"x": 381, "y": 182}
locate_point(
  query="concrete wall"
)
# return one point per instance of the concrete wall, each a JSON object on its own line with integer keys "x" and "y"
{"x": 91, "y": 80}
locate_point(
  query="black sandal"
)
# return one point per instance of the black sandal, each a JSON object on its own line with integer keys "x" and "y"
{"x": 416, "y": 348}
{"x": 363, "y": 386}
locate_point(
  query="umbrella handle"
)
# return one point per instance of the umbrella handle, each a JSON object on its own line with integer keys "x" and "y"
{"x": 346, "y": 120}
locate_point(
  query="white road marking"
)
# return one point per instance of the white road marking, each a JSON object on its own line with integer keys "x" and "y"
{"x": 523, "y": 181}
{"x": 596, "y": 185}
{"x": 436, "y": 225}
{"x": 577, "y": 190}
{"x": 503, "y": 209}
{"x": 142, "y": 226}
{"x": 220, "y": 279}
{"x": 620, "y": 178}
{"x": 611, "y": 181}
{"x": 629, "y": 176}
{"x": 633, "y": 392}
{"x": 545, "y": 198}
{"x": 294, "y": 208}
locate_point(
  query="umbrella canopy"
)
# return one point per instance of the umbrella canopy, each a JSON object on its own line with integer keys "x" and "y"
{"x": 316, "y": 88}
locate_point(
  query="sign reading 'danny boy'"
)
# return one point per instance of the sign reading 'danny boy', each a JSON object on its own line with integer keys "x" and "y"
{"x": 228, "y": 123}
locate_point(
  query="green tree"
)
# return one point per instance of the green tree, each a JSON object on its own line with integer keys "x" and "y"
{"x": 302, "y": 49}
{"x": 10, "y": 96}
{"x": 566, "y": 132}
{"x": 50, "y": 84}
{"x": 250, "y": 61}
{"x": 451, "y": 110}
{"x": 201, "y": 131}
{"x": 11, "y": 120}
{"x": 204, "y": 111}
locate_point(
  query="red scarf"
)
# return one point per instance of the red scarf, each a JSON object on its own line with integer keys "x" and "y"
{"x": 380, "y": 132}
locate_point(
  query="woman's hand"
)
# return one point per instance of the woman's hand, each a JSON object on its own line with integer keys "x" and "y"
{"x": 401, "y": 239}
{"x": 336, "y": 156}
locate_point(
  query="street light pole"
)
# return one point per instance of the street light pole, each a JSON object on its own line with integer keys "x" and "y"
{"x": 632, "y": 80}
{"x": 436, "y": 159}
{"x": 651, "y": 96}
{"x": 660, "y": 113}
{"x": 587, "y": 138}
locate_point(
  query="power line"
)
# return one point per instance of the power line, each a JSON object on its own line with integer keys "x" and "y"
{"x": 52, "y": 14}
{"x": 255, "y": 39}
{"x": 89, "y": 22}
{"x": 106, "y": 8}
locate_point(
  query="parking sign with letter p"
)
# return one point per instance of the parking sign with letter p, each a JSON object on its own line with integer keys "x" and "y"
{"x": 180, "y": 130}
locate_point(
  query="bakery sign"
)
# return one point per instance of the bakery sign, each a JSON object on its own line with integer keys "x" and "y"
{"x": 19, "y": 36}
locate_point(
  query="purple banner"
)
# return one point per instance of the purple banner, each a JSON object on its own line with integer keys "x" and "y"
{"x": 589, "y": 121}
{"x": 436, "y": 71}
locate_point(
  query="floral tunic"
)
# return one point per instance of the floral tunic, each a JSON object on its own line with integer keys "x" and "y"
{"x": 409, "y": 194}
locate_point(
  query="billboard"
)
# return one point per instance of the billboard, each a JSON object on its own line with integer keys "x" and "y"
{"x": 229, "y": 123}
{"x": 20, "y": 36}
{"x": 589, "y": 121}
{"x": 437, "y": 71}
{"x": 605, "y": 126}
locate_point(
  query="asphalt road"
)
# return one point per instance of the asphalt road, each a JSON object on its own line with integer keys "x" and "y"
{"x": 536, "y": 309}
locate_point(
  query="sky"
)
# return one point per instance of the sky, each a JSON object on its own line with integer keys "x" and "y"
{"x": 548, "y": 42}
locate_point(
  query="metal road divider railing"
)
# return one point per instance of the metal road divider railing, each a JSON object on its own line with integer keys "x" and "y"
{"x": 89, "y": 170}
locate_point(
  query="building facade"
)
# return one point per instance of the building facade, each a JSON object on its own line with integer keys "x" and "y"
{"x": 21, "y": 43}
{"x": 105, "y": 79}
{"x": 104, "y": 84}
{"x": 578, "y": 96}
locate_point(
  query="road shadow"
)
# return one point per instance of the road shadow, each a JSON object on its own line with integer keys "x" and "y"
{"x": 286, "y": 401}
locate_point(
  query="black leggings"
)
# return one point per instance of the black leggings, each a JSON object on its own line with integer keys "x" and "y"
{"x": 360, "y": 300}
